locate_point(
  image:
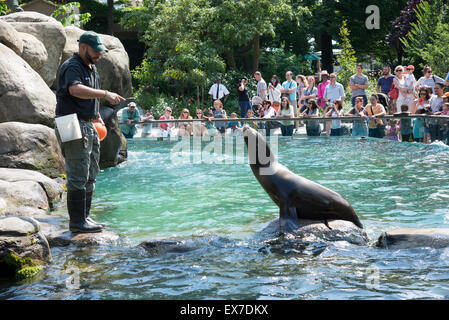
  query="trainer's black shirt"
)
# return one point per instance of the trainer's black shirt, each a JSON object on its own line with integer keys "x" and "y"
{"x": 72, "y": 72}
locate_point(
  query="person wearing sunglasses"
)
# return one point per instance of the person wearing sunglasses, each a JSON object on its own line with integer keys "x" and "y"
{"x": 185, "y": 128}
{"x": 199, "y": 128}
{"x": 422, "y": 102}
{"x": 165, "y": 127}
{"x": 428, "y": 79}
{"x": 405, "y": 87}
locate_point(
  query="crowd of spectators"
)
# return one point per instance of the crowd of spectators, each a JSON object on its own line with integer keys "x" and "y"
{"x": 399, "y": 94}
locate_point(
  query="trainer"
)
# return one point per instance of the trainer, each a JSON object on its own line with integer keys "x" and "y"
{"x": 79, "y": 92}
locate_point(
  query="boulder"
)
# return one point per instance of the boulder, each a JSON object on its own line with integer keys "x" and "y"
{"x": 317, "y": 231}
{"x": 53, "y": 189}
{"x": 34, "y": 51}
{"x": 24, "y": 96}
{"x": 113, "y": 66}
{"x": 30, "y": 146}
{"x": 411, "y": 238}
{"x": 50, "y": 32}
{"x": 23, "y": 247}
{"x": 21, "y": 194}
{"x": 27, "y": 16}
{"x": 10, "y": 37}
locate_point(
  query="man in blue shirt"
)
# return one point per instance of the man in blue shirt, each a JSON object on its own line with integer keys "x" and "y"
{"x": 289, "y": 89}
{"x": 384, "y": 83}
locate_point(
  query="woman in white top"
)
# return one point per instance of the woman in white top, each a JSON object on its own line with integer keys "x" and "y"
{"x": 428, "y": 79}
{"x": 274, "y": 92}
{"x": 286, "y": 112}
{"x": 335, "y": 111}
{"x": 405, "y": 89}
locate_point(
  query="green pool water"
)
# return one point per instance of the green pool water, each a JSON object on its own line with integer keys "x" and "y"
{"x": 222, "y": 207}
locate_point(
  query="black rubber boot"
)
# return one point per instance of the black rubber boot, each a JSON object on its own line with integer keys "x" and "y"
{"x": 88, "y": 204}
{"x": 76, "y": 206}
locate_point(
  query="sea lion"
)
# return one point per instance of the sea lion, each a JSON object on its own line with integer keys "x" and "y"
{"x": 296, "y": 197}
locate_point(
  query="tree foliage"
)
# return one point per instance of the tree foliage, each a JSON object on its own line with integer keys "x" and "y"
{"x": 425, "y": 42}
{"x": 67, "y": 16}
{"x": 346, "y": 59}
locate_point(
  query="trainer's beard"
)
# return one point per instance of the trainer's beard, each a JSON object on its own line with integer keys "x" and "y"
{"x": 89, "y": 58}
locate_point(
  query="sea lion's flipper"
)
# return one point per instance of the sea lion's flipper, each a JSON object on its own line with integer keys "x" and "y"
{"x": 288, "y": 218}
{"x": 326, "y": 223}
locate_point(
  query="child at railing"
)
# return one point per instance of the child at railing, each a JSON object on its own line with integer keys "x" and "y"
{"x": 210, "y": 127}
{"x": 235, "y": 126}
{"x": 406, "y": 125}
{"x": 419, "y": 127}
{"x": 392, "y": 130}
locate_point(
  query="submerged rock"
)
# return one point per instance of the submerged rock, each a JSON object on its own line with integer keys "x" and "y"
{"x": 313, "y": 230}
{"x": 163, "y": 246}
{"x": 23, "y": 247}
{"x": 411, "y": 238}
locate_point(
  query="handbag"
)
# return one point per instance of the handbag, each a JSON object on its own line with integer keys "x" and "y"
{"x": 394, "y": 92}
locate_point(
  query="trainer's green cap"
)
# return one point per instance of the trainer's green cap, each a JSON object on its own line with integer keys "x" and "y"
{"x": 92, "y": 39}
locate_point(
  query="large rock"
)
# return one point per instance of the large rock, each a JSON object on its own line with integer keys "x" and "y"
{"x": 24, "y": 96}
{"x": 50, "y": 32}
{"x": 314, "y": 230}
{"x": 27, "y": 16}
{"x": 411, "y": 238}
{"x": 10, "y": 37}
{"x": 34, "y": 51}
{"x": 23, "y": 247}
{"x": 21, "y": 194}
{"x": 113, "y": 66}
{"x": 30, "y": 146}
{"x": 53, "y": 189}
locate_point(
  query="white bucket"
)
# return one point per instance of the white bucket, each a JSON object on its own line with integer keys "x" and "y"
{"x": 68, "y": 127}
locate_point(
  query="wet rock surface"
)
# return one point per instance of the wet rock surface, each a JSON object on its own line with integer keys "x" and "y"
{"x": 406, "y": 238}
{"x": 22, "y": 237}
{"x": 313, "y": 230}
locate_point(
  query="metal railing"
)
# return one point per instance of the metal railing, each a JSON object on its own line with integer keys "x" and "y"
{"x": 321, "y": 119}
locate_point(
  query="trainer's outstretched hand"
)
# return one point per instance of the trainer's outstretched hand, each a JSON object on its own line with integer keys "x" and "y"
{"x": 114, "y": 98}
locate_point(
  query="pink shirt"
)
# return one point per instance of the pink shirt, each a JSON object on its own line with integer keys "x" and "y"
{"x": 164, "y": 126}
{"x": 321, "y": 87}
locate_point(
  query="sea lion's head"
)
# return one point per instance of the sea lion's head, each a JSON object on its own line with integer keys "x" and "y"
{"x": 259, "y": 152}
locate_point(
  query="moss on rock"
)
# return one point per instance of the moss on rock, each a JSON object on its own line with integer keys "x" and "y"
{"x": 12, "y": 266}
